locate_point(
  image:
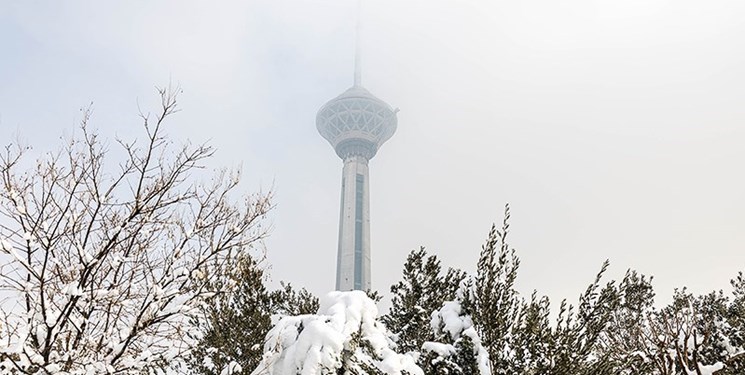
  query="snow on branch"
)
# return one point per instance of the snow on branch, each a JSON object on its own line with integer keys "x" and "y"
{"x": 107, "y": 266}
{"x": 344, "y": 336}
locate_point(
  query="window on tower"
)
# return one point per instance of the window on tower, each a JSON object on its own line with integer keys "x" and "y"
{"x": 358, "y": 200}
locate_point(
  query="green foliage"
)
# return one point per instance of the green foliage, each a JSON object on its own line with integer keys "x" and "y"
{"x": 695, "y": 331}
{"x": 576, "y": 336}
{"x": 736, "y": 324}
{"x": 690, "y": 334}
{"x": 532, "y": 341}
{"x": 374, "y": 295}
{"x": 613, "y": 329}
{"x": 423, "y": 290}
{"x": 237, "y": 319}
{"x": 289, "y": 301}
{"x": 496, "y": 304}
{"x": 626, "y": 343}
{"x": 465, "y": 355}
{"x": 432, "y": 363}
{"x": 351, "y": 361}
{"x": 456, "y": 348}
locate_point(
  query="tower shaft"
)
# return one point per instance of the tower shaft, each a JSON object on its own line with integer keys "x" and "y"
{"x": 356, "y": 124}
{"x": 353, "y": 258}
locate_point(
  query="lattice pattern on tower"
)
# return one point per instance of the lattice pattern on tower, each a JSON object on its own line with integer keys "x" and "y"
{"x": 356, "y": 114}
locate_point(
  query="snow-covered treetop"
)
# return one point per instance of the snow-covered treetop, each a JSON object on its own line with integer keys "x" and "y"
{"x": 345, "y": 334}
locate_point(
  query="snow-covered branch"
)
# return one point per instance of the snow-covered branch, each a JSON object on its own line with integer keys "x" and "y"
{"x": 106, "y": 268}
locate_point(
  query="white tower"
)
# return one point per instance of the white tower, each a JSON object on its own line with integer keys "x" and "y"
{"x": 356, "y": 123}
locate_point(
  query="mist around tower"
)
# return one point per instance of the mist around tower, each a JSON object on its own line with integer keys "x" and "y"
{"x": 168, "y": 207}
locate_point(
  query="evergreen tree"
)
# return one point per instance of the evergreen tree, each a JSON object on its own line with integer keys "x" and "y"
{"x": 457, "y": 347}
{"x": 289, "y": 301}
{"x": 344, "y": 337}
{"x": 466, "y": 355}
{"x": 435, "y": 359}
{"x": 497, "y": 306}
{"x": 736, "y": 326}
{"x": 421, "y": 292}
{"x": 576, "y": 337}
{"x": 626, "y": 342}
{"x": 532, "y": 339}
{"x": 238, "y": 318}
{"x": 455, "y": 324}
{"x": 236, "y": 321}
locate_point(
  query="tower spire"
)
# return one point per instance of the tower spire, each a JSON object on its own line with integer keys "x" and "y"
{"x": 357, "y": 47}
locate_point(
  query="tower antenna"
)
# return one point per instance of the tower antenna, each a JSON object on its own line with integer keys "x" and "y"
{"x": 358, "y": 47}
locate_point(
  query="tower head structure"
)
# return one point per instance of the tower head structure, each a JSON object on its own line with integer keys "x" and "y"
{"x": 356, "y": 124}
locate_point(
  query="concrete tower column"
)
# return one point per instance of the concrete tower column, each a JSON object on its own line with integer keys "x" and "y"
{"x": 356, "y": 124}
{"x": 353, "y": 257}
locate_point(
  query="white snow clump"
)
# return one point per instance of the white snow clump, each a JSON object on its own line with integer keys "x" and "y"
{"x": 344, "y": 334}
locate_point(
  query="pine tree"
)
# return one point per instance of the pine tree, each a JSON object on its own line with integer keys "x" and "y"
{"x": 497, "y": 305}
{"x": 344, "y": 337}
{"x": 577, "y": 335}
{"x": 735, "y": 331}
{"x": 421, "y": 292}
{"x": 531, "y": 342}
{"x": 436, "y": 360}
{"x": 626, "y": 341}
{"x": 466, "y": 356}
{"x": 289, "y": 301}
{"x": 456, "y": 348}
{"x": 237, "y": 320}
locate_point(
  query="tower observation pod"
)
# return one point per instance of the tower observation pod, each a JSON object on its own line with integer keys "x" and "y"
{"x": 356, "y": 123}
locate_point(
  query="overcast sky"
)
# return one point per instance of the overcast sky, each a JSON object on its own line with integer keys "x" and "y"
{"x": 614, "y": 128}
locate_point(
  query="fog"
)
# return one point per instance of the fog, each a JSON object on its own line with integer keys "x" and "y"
{"x": 614, "y": 129}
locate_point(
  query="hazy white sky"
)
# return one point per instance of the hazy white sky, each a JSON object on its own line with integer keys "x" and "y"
{"x": 614, "y": 128}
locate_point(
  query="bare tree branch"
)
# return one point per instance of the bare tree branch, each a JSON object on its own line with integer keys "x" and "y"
{"x": 108, "y": 267}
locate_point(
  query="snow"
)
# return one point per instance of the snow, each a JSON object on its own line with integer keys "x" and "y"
{"x": 449, "y": 317}
{"x": 707, "y": 370}
{"x": 53, "y": 368}
{"x": 443, "y": 350}
{"x": 450, "y": 320}
{"x": 5, "y": 246}
{"x": 231, "y": 368}
{"x": 345, "y": 333}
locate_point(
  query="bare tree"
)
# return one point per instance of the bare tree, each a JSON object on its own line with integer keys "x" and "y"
{"x": 102, "y": 269}
{"x": 699, "y": 335}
